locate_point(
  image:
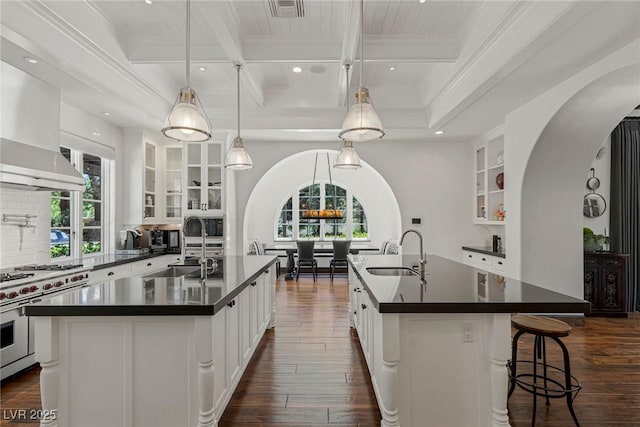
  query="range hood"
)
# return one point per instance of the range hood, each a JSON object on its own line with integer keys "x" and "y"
{"x": 27, "y": 167}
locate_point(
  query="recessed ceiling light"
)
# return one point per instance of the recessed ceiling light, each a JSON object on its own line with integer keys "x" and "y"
{"x": 30, "y": 60}
{"x": 148, "y": 1}
{"x": 95, "y": 133}
{"x": 296, "y": 69}
{"x": 105, "y": 113}
{"x": 439, "y": 132}
{"x": 423, "y": 1}
{"x": 392, "y": 68}
{"x": 202, "y": 68}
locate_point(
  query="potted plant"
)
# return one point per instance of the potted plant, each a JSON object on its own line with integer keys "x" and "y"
{"x": 592, "y": 241}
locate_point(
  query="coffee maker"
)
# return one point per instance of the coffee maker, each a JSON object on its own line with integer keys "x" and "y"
{"x": 156, "y": 241}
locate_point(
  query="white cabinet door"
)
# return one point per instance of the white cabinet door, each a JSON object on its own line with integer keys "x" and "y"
{"x": 234, "y": 366}
{"x": 261, "y": 318}
{"x": 203, "y": 178}
{"x": 151, "y": 193}
{"x": 244, "y": 303}
{"x": 172, "y": 181}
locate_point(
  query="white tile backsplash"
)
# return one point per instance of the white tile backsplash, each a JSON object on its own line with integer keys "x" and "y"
{"x": 35, "y": 241}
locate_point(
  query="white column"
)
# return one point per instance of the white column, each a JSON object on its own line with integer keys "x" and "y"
{"x": 499, "y": 355}
{"x": 206, "y": 372}
{"x": 389, "y": 375}
{"x": 48, "y": 356}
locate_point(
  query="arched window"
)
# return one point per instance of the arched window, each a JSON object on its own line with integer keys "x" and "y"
{"x": 353, "y": 224}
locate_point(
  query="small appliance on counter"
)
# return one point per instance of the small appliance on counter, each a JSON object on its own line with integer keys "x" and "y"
{"x": 172, "y": 240}
{"x": 156, "y": 241}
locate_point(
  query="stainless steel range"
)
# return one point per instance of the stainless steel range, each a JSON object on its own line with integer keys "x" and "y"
{"x": 20, "y": 286}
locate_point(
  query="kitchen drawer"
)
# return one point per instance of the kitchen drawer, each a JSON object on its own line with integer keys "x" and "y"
{"x": 110, "y": 273}
{"x": 498, "y": 265}
{"x": 477, "y": 260}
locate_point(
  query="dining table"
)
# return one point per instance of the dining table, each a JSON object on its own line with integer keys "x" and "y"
{"x": 320, "y": 248}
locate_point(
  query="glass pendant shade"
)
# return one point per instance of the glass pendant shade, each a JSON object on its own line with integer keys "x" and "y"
{"x": 362, "y": 122}
{"x": 347, "y": 158}
{"x": 237, "y": 156}
{"x": 187, "y": 120}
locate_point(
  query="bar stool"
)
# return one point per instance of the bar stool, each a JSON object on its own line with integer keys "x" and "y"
{"x": 542, "y": 384}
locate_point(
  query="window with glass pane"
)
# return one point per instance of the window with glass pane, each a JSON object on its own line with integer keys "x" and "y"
{"x": 360, "y": 227}
{"x": 60, "y": 240}
{"x": 335, "y": 198}
{"x": 92, "y": 204}
{"x": 285, "y": 221}
{"x": 309, "y": 198}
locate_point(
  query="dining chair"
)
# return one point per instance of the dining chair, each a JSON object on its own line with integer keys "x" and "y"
{"x": 306, "y": 258}
{"x": 256, "y": 248}
{"x": 340, "y": 252}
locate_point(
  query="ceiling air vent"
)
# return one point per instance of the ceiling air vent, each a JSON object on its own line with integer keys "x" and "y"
{"x": 287, "y": 8}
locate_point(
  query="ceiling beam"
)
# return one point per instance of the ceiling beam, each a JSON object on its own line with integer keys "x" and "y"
{"x": 158, "y": 50}
{"x": 349, "y": 47}
{"x": 221, "y": 19}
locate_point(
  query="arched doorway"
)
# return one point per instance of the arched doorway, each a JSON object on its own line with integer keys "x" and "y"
{"x": 295, "y": 171}
{"x": 550, "y": 226}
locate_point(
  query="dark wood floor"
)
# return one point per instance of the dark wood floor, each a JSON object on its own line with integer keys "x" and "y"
{"x": 309, "y": 371}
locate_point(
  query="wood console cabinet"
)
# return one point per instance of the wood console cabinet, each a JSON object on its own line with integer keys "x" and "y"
{"x": 605, "y": 283}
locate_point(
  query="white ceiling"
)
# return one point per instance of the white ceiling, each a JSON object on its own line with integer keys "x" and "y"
{"x": 459, "y": 65}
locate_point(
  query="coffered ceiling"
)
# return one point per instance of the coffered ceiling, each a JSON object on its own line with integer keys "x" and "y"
{"x": 453, "y": 65}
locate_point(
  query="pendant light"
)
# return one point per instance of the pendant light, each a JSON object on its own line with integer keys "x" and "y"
{"x": 187, "y": 121}
{"x": 237, "y": 156}
{"x": 348, "y": 157}
{"x": 362, "y": 122}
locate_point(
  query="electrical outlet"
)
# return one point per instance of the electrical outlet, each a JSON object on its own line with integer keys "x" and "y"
{"x": 467, "y": 332}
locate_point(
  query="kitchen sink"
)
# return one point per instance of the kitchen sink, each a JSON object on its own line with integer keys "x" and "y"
{"x": 392, "y": 271}
{"x": 177, "y": 271}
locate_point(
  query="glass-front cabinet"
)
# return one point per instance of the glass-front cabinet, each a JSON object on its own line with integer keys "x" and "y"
{"x": 489, "y": 183}
{"x": 173, "y": 183}
{"x": 150, "y": 189}
{"x": 203, "y": 178}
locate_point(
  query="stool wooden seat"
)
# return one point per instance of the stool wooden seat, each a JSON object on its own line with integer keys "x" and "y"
{"x": 543, "y": 384}
{"x": 540, "y": 325}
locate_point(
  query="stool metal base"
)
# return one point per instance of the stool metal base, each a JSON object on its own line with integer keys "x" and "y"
{"x": 541, "y": 384}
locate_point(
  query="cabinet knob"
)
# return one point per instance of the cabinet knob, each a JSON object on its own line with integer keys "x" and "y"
{"x": 469, "y": 256}
{"x": 110, "y": 273}
{"x": 500, "y": 262}
{"x": 363, "y": 306}
{"x": 484, "y": 259}
{"x": 254, "y": 283}
{"x": 232, "y": 303}
{"x": 149, "y": 264}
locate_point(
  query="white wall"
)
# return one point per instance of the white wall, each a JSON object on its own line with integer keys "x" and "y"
{"x": 288, "y": 175}
{"x": 549, "y": 144}
{"x": 429, "y": 180}
{"x": 34, "y": 248}
{"x": 602, "y": 170}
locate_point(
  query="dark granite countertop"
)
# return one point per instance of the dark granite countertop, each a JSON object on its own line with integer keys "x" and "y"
{"x": 109, "y": 260}
{"x": 158, "y": 296}
{"x": 451, "y": 287}
{"x": 486, "y": 251}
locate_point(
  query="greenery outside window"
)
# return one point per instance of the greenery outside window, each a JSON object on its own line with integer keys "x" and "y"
{"x": 291, "y": 226}
{"x": 77, "y": 225}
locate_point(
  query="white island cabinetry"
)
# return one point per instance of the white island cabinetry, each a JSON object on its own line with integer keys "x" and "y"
{"x": 171, "y": 364}
{"x": 437, "y": 350}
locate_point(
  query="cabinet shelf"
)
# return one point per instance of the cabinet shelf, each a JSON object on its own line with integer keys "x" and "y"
{"x": 496, "y": 191}
{"x": 480, "y": 171}
{"x": 496, "y": 167}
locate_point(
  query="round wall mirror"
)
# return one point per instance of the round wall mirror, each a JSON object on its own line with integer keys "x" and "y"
{"x": 594, "y": 205}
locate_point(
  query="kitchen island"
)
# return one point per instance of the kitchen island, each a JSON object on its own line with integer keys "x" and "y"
{"x": 437, "y": 350}
{"x": 155, "y": 350}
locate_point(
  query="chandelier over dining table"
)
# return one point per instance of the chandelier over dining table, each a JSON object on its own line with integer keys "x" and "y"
{"x": 322, "y": 213}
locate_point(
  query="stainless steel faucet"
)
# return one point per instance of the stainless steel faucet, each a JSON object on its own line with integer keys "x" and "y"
{"x": 203, "y": 261}
{"x": 423, "y": 256}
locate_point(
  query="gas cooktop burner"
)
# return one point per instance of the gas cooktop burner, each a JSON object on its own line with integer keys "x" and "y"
{"x": 48, "y": 267}
{"x": 5, "y": 277}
